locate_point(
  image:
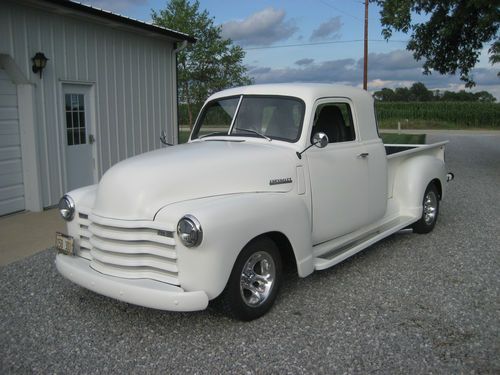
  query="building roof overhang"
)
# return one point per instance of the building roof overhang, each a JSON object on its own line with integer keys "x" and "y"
{"x": 110, "y": 18}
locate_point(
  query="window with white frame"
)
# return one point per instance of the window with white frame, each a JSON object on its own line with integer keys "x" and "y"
{"x": 75, "y": 119}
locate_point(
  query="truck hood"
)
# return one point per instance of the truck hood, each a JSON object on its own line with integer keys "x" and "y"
{"x": 136, "y": 188}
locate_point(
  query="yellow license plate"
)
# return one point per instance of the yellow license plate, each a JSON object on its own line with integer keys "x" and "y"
{"x": 64, "y": 243}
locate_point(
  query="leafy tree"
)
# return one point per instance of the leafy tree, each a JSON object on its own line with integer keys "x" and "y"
{"x": 402, "y": 94}
{"x": 495, "y": 54}
{"x": 464, "y": 96}
{"x": 420, "y": 93}
{"x": 209, "y": 65}
{"x": 452, "y": 35}
{"x": 385, "y": 95}
{"x": 485, "y": 96}
{"x": 460, "y": 96}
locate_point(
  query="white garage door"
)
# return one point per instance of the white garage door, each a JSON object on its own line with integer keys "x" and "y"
{"x": 11, "y": 170}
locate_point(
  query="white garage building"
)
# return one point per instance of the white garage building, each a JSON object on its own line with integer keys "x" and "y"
{"x": 107, "y": 91}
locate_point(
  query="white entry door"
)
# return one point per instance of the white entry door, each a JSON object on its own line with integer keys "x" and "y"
{"x": 79, "y": 138}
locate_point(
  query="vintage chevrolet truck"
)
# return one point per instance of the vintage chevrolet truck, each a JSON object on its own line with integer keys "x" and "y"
{"x": 272, "y": 174}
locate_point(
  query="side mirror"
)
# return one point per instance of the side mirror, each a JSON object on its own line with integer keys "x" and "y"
{"x": 163, "y": 138}
{"x": 320, "y": 140}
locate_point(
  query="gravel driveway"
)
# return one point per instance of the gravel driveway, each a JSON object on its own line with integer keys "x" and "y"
{"x": 410, "y": 304}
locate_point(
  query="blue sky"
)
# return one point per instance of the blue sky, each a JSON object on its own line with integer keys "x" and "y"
{"x": 315, "y": 41}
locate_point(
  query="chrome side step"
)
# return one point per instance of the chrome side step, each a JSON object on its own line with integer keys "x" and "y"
{"x": 342, "y": 251}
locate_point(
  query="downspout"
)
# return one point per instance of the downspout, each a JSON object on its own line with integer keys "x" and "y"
{"x": 182, "y": 46}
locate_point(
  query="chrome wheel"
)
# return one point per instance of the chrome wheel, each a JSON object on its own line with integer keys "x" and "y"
{"x": 430, "y": 210}
{"x": 257, "y": 278}
{"x": 430, "y": 207}
{"x": 254, "y": 281}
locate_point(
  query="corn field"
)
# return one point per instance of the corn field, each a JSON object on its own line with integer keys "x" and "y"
{"x": 463, "y": 114}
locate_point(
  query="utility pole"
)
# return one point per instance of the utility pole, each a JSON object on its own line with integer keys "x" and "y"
{"x": 365, "y": 67}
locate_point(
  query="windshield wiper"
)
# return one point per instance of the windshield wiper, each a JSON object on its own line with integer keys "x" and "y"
{"x": 254, "y": 132}
{"x": 213, "y": 133}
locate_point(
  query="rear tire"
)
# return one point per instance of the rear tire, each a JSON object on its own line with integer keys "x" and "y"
{"x": 254, "y": 281}
{"x": 430, "y": 210}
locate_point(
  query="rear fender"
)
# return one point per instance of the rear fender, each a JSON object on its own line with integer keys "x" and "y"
{"x": 411, "y": 180}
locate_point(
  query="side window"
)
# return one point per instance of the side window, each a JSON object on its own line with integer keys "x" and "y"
{"x": 335, "y": 120}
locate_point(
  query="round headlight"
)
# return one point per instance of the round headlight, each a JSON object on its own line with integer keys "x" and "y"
{"x": 189, "y": 231}
{"x": 67, "y": 207}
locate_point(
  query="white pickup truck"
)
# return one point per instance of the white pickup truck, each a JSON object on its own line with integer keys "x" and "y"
{"x": 272, "y": 174}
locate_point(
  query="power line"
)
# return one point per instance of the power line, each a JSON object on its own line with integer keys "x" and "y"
{"x": 323, "y": 43}
{"x": 339, "y": 10}
{"x": 344, "y": 12}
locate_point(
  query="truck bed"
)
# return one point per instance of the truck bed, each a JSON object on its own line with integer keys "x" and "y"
{"x": 396, "y": 150}
{"x": 392, "y": 149}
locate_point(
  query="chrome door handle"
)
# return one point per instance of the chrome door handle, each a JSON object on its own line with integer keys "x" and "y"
{"x": 363, "y": 155}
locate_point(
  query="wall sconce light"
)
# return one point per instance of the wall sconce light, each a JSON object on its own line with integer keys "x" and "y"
{"x": 39, "y": 62}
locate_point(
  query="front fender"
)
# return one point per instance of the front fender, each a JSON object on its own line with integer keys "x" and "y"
{"x": 229, "y": 223}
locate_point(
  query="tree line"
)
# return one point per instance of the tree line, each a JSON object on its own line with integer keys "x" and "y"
{"x": 418, "y": 92}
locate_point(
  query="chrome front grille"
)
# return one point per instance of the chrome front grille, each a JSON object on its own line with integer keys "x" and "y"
{"x": 128, "y": 249}
{"x": 83, "y": 222}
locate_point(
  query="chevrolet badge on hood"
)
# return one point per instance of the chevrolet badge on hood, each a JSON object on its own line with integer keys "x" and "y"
{"x": 279, "y": 181}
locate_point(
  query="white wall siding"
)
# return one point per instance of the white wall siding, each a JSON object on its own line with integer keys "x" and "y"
{"x": 131, "y": 77}
{"x": 11, "y": 172}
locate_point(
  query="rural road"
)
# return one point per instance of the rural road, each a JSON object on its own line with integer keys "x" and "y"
{"x": 410, "y": 304}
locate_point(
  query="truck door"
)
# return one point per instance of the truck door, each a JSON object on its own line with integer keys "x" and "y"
{"x": 339, "y": 174}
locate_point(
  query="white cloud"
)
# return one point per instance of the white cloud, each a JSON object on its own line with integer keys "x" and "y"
{"x": 394, "y": 69}
{"x": 327, "y": 71}
{"x": 327, "y": 30}
{"x": 397, "y": 59}
{"x": 379, "y": 84}
{"x": 262, "y": 28}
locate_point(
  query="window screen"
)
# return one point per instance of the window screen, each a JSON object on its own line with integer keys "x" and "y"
{"x": 75, "y": 119}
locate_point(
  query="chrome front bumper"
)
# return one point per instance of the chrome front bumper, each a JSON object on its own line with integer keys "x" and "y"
{"x": 142, "y": 292}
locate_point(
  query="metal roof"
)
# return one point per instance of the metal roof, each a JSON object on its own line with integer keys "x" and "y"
{"x": 101, "y": 13}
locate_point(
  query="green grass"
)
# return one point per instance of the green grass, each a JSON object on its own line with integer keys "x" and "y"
{"x": 414, "y": 139}
{"x": 184, "y": 136}
{"x": 420, "y": 124}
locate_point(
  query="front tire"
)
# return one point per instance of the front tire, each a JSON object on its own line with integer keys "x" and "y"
{"x": 430, "y": 210}
{"x": 254, "y": 281}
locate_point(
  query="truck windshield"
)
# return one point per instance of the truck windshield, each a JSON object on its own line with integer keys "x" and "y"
{"x": 270, "y": 117}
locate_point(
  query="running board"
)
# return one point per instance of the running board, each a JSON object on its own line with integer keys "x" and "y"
{"x": 339, "y": 253}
